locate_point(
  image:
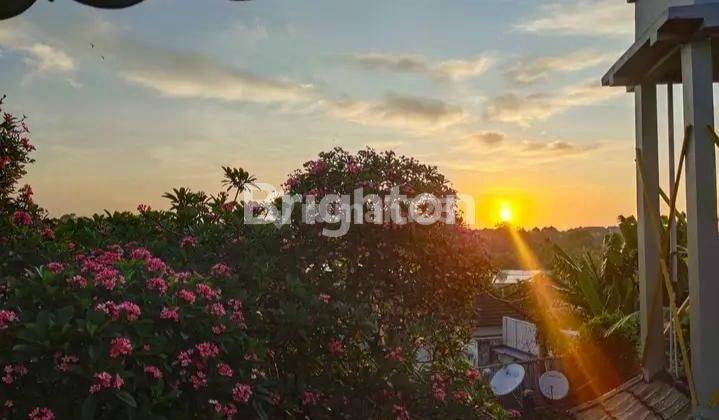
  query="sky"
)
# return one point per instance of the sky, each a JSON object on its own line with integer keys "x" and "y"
{"x": 503, "y": 96}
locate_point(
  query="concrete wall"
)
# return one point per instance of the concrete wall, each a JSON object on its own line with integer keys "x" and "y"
{"x": 648, "y": 10}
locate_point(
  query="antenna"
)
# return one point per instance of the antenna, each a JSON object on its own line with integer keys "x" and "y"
{"x": 554, "y": 385}
{"x": 507, "y": 379}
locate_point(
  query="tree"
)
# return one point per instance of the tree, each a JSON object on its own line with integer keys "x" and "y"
{"x": 416, "y": 283}
{"x": 592, "y": 287}
{"x": 191, "y": 313}
{"x": 599, "y": 298}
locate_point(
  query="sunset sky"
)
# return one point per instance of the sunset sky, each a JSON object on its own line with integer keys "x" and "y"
{"x": 503, "y": 95}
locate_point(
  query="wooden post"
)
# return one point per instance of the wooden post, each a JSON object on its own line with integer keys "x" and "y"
{"x": 702, "y": 239}
{"x": 650, "y": 301}
{"x": 673, "y": 266}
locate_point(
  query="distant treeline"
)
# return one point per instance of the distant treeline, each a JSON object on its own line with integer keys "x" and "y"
{"x": 504, "y": 253}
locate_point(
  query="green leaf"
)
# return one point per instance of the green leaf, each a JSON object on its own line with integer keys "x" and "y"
{"x": 95, "y": 317}
{"x": 88, "y": 408}
{"x": 621, "y": 323}
{"x": 259, "y": 410}
{"x": 64, "y": 315}
{"x": 125, "y": 397}
{"x": 24, "y": 348}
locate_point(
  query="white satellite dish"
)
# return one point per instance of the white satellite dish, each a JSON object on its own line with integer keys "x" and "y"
{"x": 554, "y": 385}
{"x": 507, "y": 379}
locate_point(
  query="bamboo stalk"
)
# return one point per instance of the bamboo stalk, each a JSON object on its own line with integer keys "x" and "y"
{"x": 682, "y": 308}
{"x": 682, "y": 157}
{"x": 664, "y": 196}
{"x": 680, "y": 333}
{"x": 713, "y": 135}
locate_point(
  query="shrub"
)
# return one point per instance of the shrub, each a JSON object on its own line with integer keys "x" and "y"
{"x": 191, "y": 313}
{"x": 415, "y": 282}
{"x": 117, "y": 331}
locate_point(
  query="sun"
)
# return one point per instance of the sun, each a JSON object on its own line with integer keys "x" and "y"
{"x": 505, "y": 213}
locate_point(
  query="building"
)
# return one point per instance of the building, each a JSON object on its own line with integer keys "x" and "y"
{"x": 676, "y": 42}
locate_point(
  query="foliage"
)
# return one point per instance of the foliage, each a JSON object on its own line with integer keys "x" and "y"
{"x": 541, "y": 242}
{"x": 622, "y": 344}
{"x": 436, "y": 270}
{"x": 15, "y": 148}
{"x": 600, "y": 298}
{"x": 592, "y": 288}
{"x": 616, "y": 353}
{"x": 191, "y": 313}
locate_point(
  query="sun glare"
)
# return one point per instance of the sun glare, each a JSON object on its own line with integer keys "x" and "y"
{"x": 505, "y": 213}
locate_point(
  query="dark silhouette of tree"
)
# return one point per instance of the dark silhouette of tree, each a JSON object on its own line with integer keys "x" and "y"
{"x": 12, "y": 8}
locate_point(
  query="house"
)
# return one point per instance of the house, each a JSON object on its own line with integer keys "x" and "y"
{"x": 503, "y": 334}
{"x": 504, "y": 300}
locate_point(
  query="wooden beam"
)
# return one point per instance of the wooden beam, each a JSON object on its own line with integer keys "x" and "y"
{"x": 702, "y": 241}
{"x": 647, "y": 229}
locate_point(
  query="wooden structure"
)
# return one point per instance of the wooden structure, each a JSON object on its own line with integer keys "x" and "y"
{"x": 637, "y": 399}
{"x": 677, "y": 41}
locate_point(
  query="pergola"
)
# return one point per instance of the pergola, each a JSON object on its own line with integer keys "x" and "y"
{"x": 676, "y": 42}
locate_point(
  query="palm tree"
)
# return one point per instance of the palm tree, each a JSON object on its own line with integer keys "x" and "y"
{"x": 188, "y": 205}
{"x": 592, "y": 288}
{"x": 237, "y": 179}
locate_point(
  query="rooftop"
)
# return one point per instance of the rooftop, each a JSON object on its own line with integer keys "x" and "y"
{"x": 655, "y": 53}
{"x": 637, "y": 400}
{"x": 491, "y": 309}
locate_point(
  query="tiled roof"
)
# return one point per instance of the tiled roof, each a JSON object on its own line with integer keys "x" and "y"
{"x": 490, "y": 311}
{"x": 637, "y": 400}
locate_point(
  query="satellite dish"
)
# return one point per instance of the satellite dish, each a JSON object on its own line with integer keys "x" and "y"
{"x": 507, "y": 379}
{"x": 554, "y": 385}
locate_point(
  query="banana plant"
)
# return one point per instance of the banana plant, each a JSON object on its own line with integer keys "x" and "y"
{"x": 609, "y": 285}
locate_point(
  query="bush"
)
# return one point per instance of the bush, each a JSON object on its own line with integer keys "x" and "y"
{"x": 416, "y": 282}
{"x": 120, "y": 331}
{"x": 191, "y": 313}
{"x": 616, "y": 352}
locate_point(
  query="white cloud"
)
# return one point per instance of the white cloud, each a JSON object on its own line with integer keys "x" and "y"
{"x": 43, "y": 58}
{"x": 489, "y": 138}
{"x": 583, "y": 17}
{"x": 406, "y": 112}
{"x": 13, "y": 32}
{"x": 525, "y": 109}
{"x": 463, "y": 69}
{"x": 213, "y": 81}
{"x": 557, "y": 147}
{"x": 168, "y": 72}
{"x": 470, "y": 154}
{"x": 531, "y": 70}
{"x": 457, "y": 69}
{"x": 181, "y": 74}
{"x": 404, "y": 63}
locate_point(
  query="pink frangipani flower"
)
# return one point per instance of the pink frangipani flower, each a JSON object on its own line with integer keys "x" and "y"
{"x": 153, "y": 372}
{"x": 41, "y": 413}
{"x": 242, "y": 393}
{"x": 6, "y": 317}
{"x": 120, "y": 346}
